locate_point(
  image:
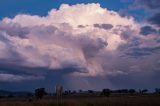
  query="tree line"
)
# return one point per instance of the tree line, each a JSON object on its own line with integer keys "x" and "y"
{"x": 40, "y": 92}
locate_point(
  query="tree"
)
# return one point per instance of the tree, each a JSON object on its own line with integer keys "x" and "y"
{"x": 90, "y": 91}
{"x": 124, "y": 91}
{"x": 80, "y": 91}
{"x": 144, "y": 90}
{"x": 132, "y": 91}
{"x": 157, "y": 90}
{"x": 106, "y": 92}
{"x": 40, "y": 92}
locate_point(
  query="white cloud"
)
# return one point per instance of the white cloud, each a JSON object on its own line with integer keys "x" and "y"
{"x": 55, "y": 41}
{"x": 80, "y": 14}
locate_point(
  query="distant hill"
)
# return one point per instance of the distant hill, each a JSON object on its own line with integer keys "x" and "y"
{"x": 5, "y": 93}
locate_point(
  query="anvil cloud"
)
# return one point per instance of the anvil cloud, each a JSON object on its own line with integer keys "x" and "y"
{"x": 89, "y": 39}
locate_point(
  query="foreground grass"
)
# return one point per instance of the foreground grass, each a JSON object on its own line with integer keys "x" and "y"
{"x": 86, "y": 101}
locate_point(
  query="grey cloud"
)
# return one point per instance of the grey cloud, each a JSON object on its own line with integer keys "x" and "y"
{"x": 126, "y": 34}
{"x": 133, "y": 43}
{"x": 14, "y": 29}
{"x": 104, "y": 26}
{"x": 147, "y": 4}
{"x": 158, "y": 40}
{"x": 92, "y": 47}
{"x": 137, "y": 52}
{"x": 152, "y": 7}
{"x": 5, "y": 77}
{"x": 81, "y": 26}
{"x": 147, "y": 30}
{"x": 155, "y": 19}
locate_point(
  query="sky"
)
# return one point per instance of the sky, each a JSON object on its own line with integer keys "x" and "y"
{"x": 80, "y": 44}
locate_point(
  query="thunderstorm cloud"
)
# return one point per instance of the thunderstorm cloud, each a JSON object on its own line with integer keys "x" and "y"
{"x": 86, "y": 38}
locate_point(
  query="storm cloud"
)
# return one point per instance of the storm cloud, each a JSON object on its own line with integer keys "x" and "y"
{"x": 146, "y": 30}
{"x": 155, "y": 19}
{"x": 91, "y": 40}
{"x": 17, "y": 78}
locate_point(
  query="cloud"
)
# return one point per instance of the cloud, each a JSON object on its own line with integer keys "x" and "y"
{"x": 147, "y": 4}
{"x": 87, "y": 38}
{"x": 143, "y": 51}
{"x": 151, "y": 7}
{"x": 104, "y": 26}
{"x": 17, "y": 78}
{"x": 155, "y": 19}
{"x": 146, "y": 30}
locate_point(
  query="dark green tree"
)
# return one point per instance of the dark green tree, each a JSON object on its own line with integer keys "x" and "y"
{"x": 144, "y": 90}
{"x": 106, "y": 92}
{"x": 157, "y": 90}
{"x": 40, "y": 92}
{"x": 132, "y": 91}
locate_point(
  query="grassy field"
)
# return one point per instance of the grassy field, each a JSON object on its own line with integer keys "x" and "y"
{"x": 145, "y": 100}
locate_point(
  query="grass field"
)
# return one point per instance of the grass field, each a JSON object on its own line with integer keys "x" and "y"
{"x": 132, "y": 100}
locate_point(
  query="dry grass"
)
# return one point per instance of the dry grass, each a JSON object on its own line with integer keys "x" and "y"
{"x": 86, "y": 101}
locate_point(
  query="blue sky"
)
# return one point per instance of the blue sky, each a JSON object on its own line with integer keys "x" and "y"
{"x": 81, "y": 45}
{"x": 40, "y": 7}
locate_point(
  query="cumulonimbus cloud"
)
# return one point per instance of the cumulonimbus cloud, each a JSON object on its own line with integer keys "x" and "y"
{"x": 85, "y": 37}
